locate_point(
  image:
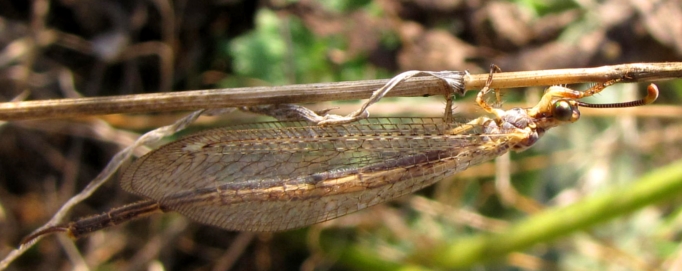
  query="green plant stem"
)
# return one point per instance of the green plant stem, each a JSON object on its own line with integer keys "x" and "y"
{"x": 660, "y": 185}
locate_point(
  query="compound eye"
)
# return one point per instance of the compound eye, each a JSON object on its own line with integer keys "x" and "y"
{"x": 563, "y": 110}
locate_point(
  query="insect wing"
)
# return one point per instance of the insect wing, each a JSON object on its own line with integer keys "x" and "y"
{"x": 290, "y": 175}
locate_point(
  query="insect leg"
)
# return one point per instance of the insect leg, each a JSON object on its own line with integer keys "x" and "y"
{"x": 478, "y": 122}
{"x": 479, "y": 98}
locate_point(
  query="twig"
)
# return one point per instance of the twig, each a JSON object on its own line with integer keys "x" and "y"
{"x": 416, "y": 86}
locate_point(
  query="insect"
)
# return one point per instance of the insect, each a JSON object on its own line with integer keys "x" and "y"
{"x": 277, "y": 176}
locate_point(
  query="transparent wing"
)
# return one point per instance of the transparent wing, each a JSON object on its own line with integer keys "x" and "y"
{"x": 275, "y": 173}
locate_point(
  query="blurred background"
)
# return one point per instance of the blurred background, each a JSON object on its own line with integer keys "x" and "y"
{"x": 72, "y": 48}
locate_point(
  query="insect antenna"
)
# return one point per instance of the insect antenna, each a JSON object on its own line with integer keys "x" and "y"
{"x": 652, "y": 95}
